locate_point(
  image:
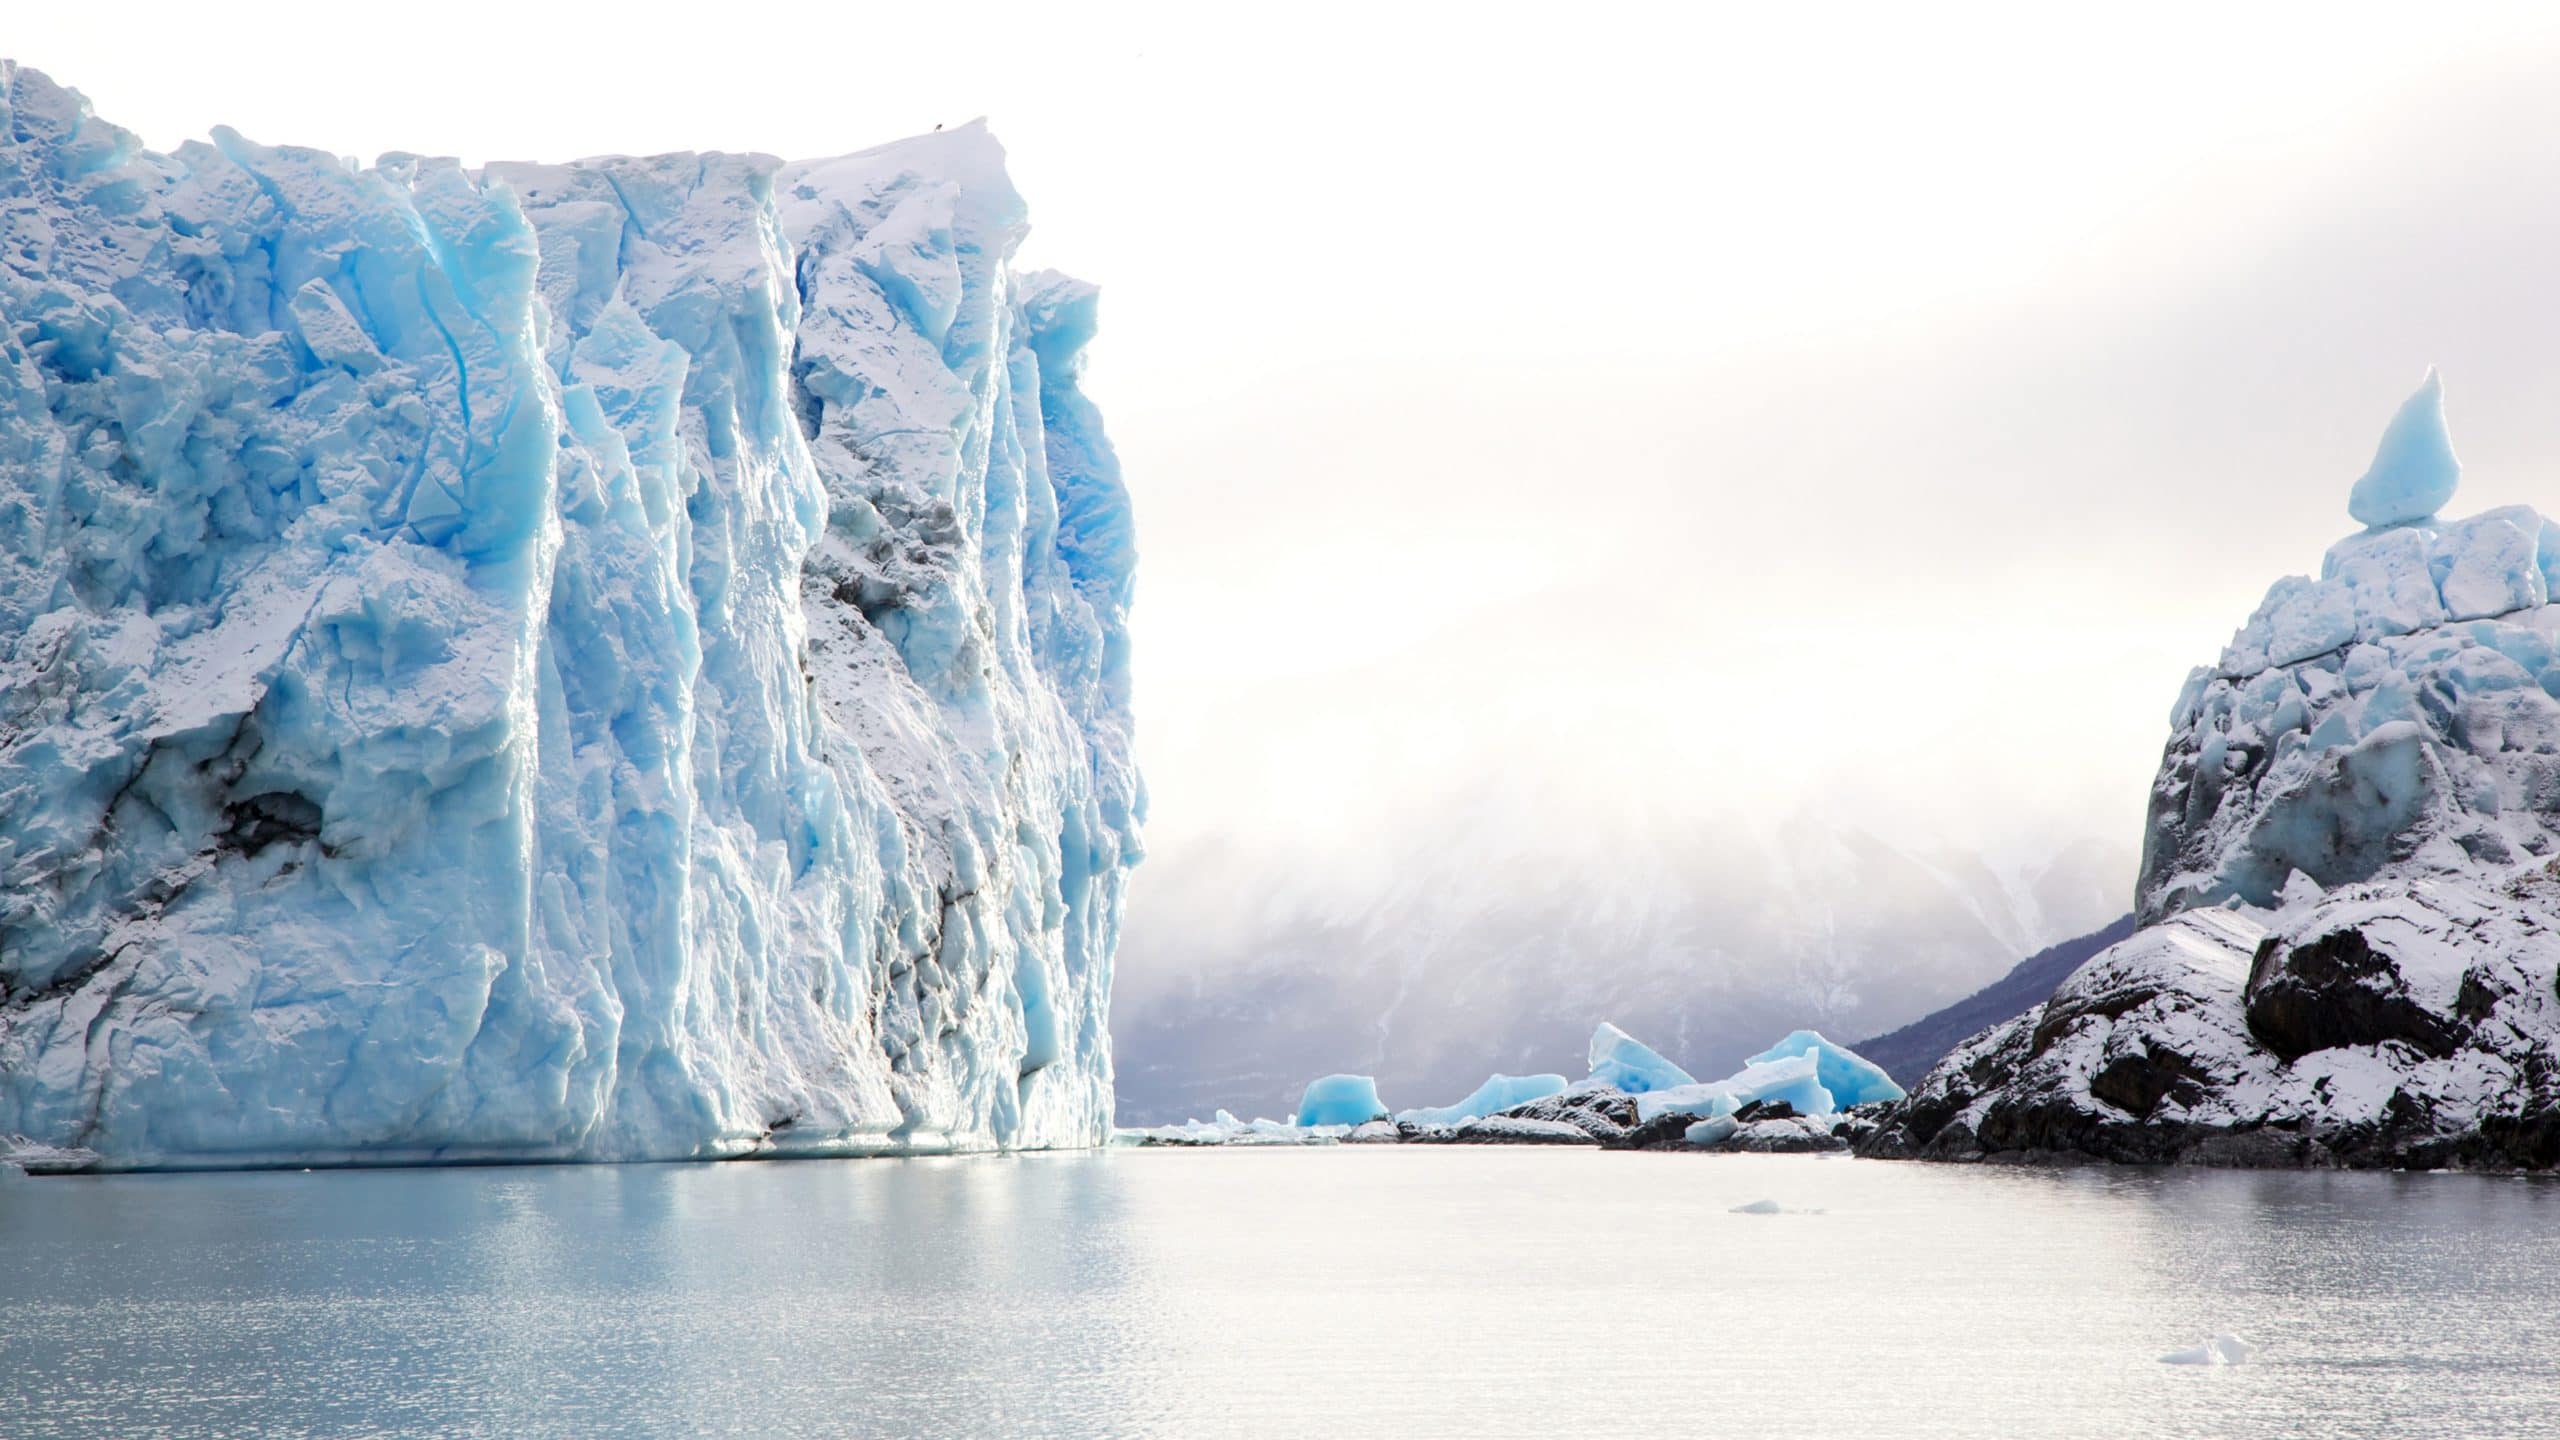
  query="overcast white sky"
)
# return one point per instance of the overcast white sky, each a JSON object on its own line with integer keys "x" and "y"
{"x": 1746, "y": 408}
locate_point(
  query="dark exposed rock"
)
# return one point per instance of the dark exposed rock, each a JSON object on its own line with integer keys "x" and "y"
{"x": 1603, "y": 1114}
{"x": 2335, "y": 989}
{"x": 1657, "y": 1133}
{"x": 1511, "y": 1130}
{"x": 2383, "y": 1025}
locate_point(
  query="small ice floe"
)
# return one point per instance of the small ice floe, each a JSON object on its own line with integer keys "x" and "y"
{"x": 2220, "y": 1350}
{"x": 1769, "y": 1207}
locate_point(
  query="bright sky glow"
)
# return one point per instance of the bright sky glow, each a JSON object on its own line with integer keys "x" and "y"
{"x": 1741, "y": 407}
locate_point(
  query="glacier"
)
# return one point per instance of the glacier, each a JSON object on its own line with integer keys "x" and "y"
{"x": 605, "y": 661}
{"x": 2398, "y": 714}
{"x": 2350, "y": 890}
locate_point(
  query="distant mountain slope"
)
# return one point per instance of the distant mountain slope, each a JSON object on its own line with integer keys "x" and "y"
{"x": 1907, "y": 1053}
{"x": 1500, "y": 945}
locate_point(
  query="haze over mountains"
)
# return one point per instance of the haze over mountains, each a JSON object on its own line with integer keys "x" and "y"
{"x": 1498, "y": 946}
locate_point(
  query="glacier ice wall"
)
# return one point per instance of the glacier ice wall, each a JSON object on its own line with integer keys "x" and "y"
{"x": 612, "y": 660}
{"x": 2398, "y": 717}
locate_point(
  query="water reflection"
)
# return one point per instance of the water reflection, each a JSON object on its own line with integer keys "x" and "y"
{"x": 1478, "y": 1292}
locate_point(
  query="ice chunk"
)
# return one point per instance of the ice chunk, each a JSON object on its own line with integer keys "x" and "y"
{"x": 1714, "y": 1130}
{"x": 1707, "y": 1098}
{"x": 2490, "y": 564}
{"x": 2220, "y": 1350}
{"x": 1623, "y": 1061}
{"x": 1341, "y": 1100}
{"x": 1851, "y": 1078}
{"x": 1792, "y": 1079}
{"x": 2388, "y": 575}
{"x": 1759, "y": 1207}
{"x": 2414, "y": 471}
{"x": 1498, "y": 1092}
{"x": 1795, "y": 1079}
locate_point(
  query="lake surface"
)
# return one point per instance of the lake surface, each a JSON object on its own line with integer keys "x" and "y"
{"x": 1386, "y": 1292}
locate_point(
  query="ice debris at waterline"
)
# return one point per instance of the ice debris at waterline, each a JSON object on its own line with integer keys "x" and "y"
{"x": 1770, "y": 1105}
{"x": 2351, "y": 881}
{"x": 613, "y": 660}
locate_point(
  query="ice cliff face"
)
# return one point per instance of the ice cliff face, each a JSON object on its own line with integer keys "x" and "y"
{"x": 614, "y": 660}
{"x": 2353, "y": 942}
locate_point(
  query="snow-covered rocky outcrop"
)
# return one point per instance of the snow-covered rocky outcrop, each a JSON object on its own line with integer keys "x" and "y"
{"x": 601, "y": 661}
{"x": 2353, "y": 911}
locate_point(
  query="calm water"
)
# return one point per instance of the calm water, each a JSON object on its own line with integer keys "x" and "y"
{"x": 1323, "y": 1293}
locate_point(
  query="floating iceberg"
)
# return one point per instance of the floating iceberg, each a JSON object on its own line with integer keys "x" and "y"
{"x": 1619, "y": 1059}
{"x": 1498, "y": 1092}
{"x": 1341, "y": 1100}
{"x": 2220, "y": 1350}
{"x": 1850, "y": 1078}
{"x": 1609, "y": 1109}
{"x": 601, "y": 661}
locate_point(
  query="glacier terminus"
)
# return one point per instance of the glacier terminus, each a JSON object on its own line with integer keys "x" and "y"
{"x": 614, "y": 660}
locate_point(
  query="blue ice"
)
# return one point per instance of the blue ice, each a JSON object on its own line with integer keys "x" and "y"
{"x": 1621, "y": 1060}
{"x": 1341, "y": 1100}
{"x": 2414, "y": 472}
{"x": 1850, "y": 1078}
{"x": 614, "y": 660}
{"x": 1498, "y": 1092}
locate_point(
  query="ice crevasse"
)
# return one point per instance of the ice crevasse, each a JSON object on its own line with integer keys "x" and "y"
{"x": 613, "y": 660}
